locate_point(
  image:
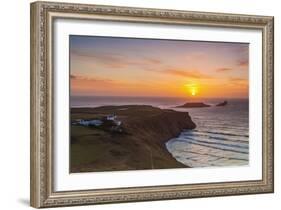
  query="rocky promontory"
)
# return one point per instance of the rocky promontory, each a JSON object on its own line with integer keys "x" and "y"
{"x": 140, "y": 144}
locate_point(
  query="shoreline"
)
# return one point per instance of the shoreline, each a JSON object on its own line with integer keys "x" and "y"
{"x": 140, "y": 143}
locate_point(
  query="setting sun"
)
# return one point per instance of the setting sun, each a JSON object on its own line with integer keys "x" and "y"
{"x": 193, "y": 92}
{"x": 192, "y": 89}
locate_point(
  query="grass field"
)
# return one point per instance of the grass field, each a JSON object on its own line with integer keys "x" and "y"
{"x": 141, "y": 145}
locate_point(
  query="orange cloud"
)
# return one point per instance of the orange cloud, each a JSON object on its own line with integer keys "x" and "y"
{"x": 113, "y": 60}
{"x": 73, "y": 76}
{"x": 239, "y": 82}
{"x": 187, "y": 73}
{"x": 89, "y": 79}
{"x": 88, "y": 85}
{"x": 223, "y": 69}
{"x": 99, "y": 86}
{"x": 244, "y": 62}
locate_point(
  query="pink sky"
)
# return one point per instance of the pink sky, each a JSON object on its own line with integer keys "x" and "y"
{"x": 103, "y": 66}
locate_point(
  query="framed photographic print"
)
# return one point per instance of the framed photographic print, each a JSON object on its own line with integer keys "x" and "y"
{"x": 134, "y": 104}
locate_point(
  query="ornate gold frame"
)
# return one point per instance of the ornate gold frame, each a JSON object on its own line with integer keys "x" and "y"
{"x": 42, "y": 17}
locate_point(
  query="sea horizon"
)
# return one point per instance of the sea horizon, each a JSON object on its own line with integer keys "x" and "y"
{"x": 158, "y": 101}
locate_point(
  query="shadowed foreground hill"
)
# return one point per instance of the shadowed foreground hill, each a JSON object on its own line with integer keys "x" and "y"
{"x": 140, "y": 145}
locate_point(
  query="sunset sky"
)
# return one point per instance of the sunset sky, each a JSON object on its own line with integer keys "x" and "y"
{"x": 104, "y": 66}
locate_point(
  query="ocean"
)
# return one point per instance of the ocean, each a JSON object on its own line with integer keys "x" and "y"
{"x": 221, "y": 137}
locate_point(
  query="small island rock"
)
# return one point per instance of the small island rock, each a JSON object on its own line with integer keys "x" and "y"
{"x": 222, "y": 104}
{"x": 193, "y": 105}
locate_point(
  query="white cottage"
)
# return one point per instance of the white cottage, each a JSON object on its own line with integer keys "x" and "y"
{"x": 111, "y": 117}
{"x": 90, "y": 122}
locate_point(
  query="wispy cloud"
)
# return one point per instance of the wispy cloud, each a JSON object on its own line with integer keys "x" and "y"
{"x": 90, "y": 79}
{"x": 243, "y": 62}
{"x": 115, "y": 60}
{"x": 109, "y": 59}
{"x": 238, "y": 81}
{"x": 187, "y": 73}
{"x": 73, "y": 76}
{"x": 94, "y": 85}
{"x": 223, "y": 69}
{"x": 153, "y": 60}
{"x": 196, "y": 57}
